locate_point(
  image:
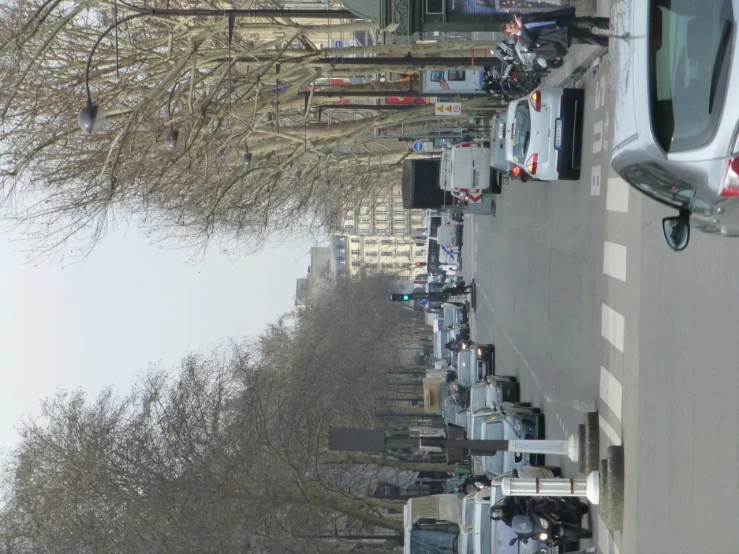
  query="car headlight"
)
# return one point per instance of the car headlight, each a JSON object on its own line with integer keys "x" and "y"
{"x": 544, "y": 523}
{"x": 517, "y": 425}
{"x": 480, "y": 351}
{"x": 543, "y": 537}
{"x": 463, "y": 346}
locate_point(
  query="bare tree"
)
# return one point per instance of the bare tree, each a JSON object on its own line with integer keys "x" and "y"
{"x": 183, "y": 110}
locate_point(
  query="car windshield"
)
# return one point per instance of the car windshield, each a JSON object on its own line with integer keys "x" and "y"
{"x": 434, "y": 541}
{"x": 477, "y": 427}
{"x": 485, "y": 531}
{"x": 493, "y": 430}
{"x": 469, "y": 511}
{"x": 689, "y": 55}
{"x": 521, "y": 132}
{"x": 464, "y": 368}
{"x": 477, "y": 398}
{"x": 658, "y": 182}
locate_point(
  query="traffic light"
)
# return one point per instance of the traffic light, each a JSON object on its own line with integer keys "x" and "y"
{"x": 400, "y": 297}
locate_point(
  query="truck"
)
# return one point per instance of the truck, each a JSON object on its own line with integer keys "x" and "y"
{"x": 431, "y": 524}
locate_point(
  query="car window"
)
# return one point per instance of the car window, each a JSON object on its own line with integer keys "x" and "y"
{"x": 661, "y": 184}
{"x": 464, "y": 366}
{"x": 521, "y": 132}
{"x": 689, "y": 55}
{"x": 477, "y": 398}
{"x": 469, "y": 511}
{"x": 493, "y": 464}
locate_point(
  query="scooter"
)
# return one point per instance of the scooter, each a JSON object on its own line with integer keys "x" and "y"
{"x": 550, "y": 521}
{"x": 533, "y": 62}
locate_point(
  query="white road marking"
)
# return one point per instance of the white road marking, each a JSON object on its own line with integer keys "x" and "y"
{"x": 612, "y": 327}
{"x": 611, "y": 391}
{"x": 614, "y": 260}
{"x": 617, "y": 195}
{"x": 597, "y": 132}
{"x": 595, "y": 174}
{"x": 609, "y": 431}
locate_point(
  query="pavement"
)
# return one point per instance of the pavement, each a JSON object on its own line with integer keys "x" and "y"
{"x": 590, "y": 310}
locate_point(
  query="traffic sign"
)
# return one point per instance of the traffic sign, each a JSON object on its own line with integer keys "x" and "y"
{"x": 420, "y": 146}
{"x": 337, "y": 44}
{"x": 474, "y": 198}
{"x": 423, "y": 301}
{"x": 449, "y": 109}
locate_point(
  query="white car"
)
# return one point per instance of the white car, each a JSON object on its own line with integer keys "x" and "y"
{"x": 544, "y": 134}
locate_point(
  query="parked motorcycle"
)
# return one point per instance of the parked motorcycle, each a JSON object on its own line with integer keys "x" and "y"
{"x": 550, "y": 521}
{"x": 508, "y": 82}
{"x": 517, "y": 54}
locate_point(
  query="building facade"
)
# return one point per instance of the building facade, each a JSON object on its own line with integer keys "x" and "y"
{"x": 377, "y": 236}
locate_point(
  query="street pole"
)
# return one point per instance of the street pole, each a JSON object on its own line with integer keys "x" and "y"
{"x": 437, "y": 62}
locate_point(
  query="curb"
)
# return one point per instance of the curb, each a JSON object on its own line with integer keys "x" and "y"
{"x": 592, "y": 442}
{"x": 613, "y": 489}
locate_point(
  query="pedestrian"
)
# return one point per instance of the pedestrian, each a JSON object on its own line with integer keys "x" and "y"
{"x": 549, "y": 34}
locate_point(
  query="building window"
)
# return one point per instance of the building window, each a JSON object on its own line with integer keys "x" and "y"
{"x": 388, "y": 266}
{"x": 381, "y": 212}
{"x": 400, "y": 231}
{"x": 371, "y": 253}
{"x": 370, "y": 241}
{"x": 399, "y": 204}
{"x": 420, "y": 253}
{"x": 386, "y": 241}
{"x": 356, "y": 252}
{"x": 348, "y": 227}
{"x": 356, "y": 240}
{"x": 382, "y": 231}
{"x": 370, "y": 266}
{"x": 364, "y": 229}
{"x": 387, "y": 253}
{"x": 400, "y": 214}
{"x": 380, "y": 220}
{"x": 356, "y": 264}
{"x": 404, "y": 266}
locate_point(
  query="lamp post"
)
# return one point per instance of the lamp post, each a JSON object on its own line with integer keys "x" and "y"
{"x": 92, "y": 119}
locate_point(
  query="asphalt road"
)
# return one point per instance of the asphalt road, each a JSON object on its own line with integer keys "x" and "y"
{"x": 591, "y": 310}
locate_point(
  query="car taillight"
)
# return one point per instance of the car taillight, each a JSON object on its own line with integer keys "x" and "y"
{"x": 535, "y": 100}
{"x": 516, "y": 171}
{"x": 730, "y": 187}
{"x": 532, "y": 163}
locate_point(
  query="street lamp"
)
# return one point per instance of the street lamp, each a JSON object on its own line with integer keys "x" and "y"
{"x": 91, "y": 118}
{"x": 246, "y": 158}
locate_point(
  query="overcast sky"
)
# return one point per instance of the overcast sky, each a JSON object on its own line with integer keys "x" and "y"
{"x": 131, "y": 304}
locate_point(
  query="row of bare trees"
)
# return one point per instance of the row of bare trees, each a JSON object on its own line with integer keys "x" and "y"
{"x": 225, "y": 454}
{"x": 166, "y": 75}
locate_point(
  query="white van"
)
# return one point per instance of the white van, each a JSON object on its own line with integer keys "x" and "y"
{"x": 465, "y": 169}
{"x": 432, "y": 524}
{"x": 443, "y": 243}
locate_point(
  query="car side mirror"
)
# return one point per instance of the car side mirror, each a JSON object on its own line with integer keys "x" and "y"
{"x": 512, "y": 542}
{"x": 677, "y": 231}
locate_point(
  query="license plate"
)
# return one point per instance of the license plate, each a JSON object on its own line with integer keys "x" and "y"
{"x": 558, "y": 133}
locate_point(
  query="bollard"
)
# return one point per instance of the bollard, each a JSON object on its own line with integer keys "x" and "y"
{"x": 585, "y": 488}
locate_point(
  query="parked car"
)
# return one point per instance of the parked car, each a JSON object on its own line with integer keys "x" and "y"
{"x": 475, "y": 363}
{"x": 544, "y": 133}
{"x": 675, "y": 134}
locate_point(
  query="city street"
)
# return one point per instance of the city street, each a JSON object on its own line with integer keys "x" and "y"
{"x": 588, "y": 306}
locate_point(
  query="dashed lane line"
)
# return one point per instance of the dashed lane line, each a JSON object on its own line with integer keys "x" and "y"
{"x": 614, "y": 260}
{"x": 612, "y": 327}
{"x": 617, "y": 195}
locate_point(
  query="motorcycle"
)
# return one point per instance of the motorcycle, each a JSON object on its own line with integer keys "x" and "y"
{"x": 550, "y": 521}
{"x": 517, "y": 54}
{"x": 509, "y": 82}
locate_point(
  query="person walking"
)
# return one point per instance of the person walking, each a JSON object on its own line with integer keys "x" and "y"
{"x": 549, "y": 34}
